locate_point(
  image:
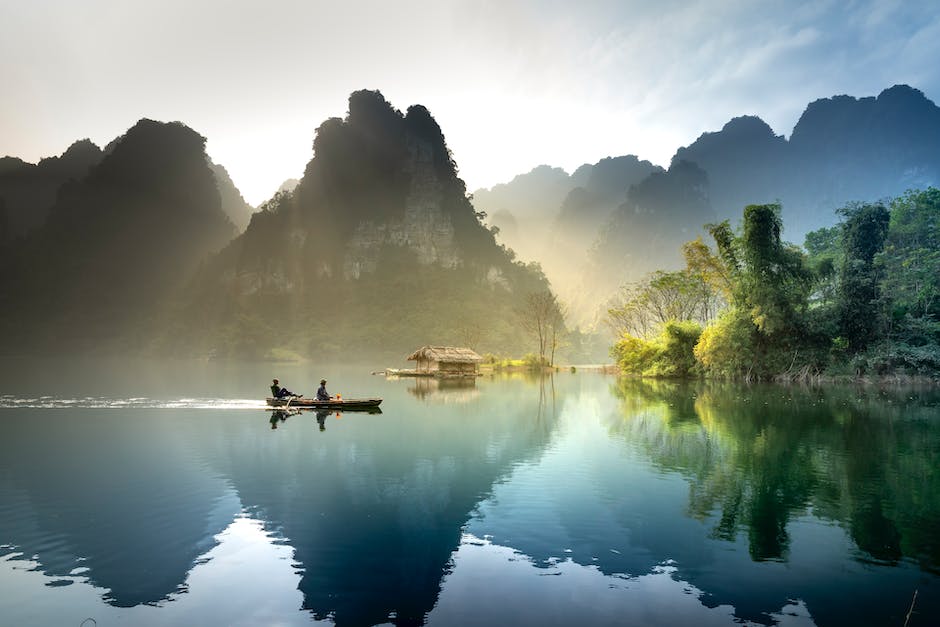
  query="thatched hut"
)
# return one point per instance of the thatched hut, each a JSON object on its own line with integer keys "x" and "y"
{"x": 444, "y": 361}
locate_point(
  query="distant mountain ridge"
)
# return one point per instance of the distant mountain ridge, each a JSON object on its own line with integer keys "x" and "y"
{"x": 28, "y": 191}
{"x": 842, "y": 149}
{"x": 379, "y": 245}
{"x": 116, "y": 245}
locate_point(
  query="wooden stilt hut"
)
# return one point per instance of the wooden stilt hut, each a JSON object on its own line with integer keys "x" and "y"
{"x": 446, "y": 361}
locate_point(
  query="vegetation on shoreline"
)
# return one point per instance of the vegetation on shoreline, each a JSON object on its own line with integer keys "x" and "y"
{"x": 862, "y": 299}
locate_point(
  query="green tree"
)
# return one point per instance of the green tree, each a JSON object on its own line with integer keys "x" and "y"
{"x": 634, "y": 355}
{"x": 727, "y": 348}
{"x": 642, "y": 308}
{"x": 863, "y": 237}
{"x": 768, "y": 285}
{"x": 670, "y": 354}
{"x": 910, "y": 263}
{"x": 823, "y": 255}
{"x": 775, "y": 281}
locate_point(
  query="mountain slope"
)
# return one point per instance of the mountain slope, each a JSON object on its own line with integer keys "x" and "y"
{"x": 28, "y": 191}
{"x": 842, "y": 149}
{"x": 116, "y": 244}
{"x": 377, "y": 250}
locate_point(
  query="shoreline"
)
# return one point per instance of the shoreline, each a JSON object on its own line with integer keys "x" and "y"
{"x": 817, "y": 380}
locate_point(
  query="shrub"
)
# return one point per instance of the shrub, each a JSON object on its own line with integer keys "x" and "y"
{"x": 634, "y": 355}
{"x": 669, "y": 355}
{"x": 899, "y": 358}
{"x": 677, "y": 356}
{"x": 726, "y": 348}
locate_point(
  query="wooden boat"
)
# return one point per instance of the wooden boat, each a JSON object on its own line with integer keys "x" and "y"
{"x": 346, "y": 404}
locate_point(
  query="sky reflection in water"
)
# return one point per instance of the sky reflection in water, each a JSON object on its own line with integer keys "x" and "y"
{"x": 571, "y": 500}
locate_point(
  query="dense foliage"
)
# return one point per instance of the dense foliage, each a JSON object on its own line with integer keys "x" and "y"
{"x": 862, "y": 299}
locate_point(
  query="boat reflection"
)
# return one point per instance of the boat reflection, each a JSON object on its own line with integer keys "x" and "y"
{"x": 281, "y": 415}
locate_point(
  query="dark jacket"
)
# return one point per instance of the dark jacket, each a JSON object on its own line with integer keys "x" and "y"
{"x": 279, "y": 392}
{"x": 322, "y": 394}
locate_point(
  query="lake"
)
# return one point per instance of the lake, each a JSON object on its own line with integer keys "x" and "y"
{"x": 166, "y": 494}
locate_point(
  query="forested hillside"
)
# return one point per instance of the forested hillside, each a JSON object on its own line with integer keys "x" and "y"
{"x": 116, "y": 246}
{"x": 377, "y": 250}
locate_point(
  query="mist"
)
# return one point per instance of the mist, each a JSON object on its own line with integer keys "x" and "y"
{"x": 609, "y": 224}
{"x": 379, "y": 248}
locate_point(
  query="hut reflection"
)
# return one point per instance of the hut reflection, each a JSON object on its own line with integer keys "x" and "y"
{"x": 461, "y": 390}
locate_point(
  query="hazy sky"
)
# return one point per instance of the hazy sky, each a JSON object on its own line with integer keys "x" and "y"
{"x": 514, "y": 84}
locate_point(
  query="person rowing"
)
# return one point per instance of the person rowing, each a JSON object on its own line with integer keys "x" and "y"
{"x": 278, "y": 392}
{"x": 322, "y": 394}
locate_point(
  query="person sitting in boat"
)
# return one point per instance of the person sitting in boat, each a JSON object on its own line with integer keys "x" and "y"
{"x": 278, "y": 392}
{"x": 322, "y": 394}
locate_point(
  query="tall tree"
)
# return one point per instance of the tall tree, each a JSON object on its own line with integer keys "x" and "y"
{"x": 645, "y": 306}
{"x": 911, "y": 260}
{"x": 768, "y": 284}
{"x": 541, "y": 315}
{"x": 863, "y": 237}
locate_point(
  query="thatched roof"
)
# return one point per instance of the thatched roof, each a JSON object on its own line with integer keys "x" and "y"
{"x": 446, "y": 354}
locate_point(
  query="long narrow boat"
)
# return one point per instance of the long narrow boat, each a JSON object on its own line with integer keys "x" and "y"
{"x": 348, "y": 404}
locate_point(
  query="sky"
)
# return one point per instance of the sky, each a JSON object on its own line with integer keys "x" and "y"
{"x": 513, "y": 84}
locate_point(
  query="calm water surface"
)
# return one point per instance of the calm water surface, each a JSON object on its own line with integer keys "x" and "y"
{"x": 165, "y": 494}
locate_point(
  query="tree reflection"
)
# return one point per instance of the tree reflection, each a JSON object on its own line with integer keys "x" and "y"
{"x": 757, "y": 457}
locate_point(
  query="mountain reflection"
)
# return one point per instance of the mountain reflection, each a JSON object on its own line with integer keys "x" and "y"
{"x": 372, "y": 504}
{"x": 118, "y": 494}
{"x": 751, "y": 499}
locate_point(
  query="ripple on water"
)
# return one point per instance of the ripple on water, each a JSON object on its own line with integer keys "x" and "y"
{"x": 89, "y": 402}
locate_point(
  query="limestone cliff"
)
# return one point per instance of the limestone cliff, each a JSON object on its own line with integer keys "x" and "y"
{"x": 424, "y": 228}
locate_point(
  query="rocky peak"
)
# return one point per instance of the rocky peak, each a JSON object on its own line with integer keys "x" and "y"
{"x": 423, "y": 227}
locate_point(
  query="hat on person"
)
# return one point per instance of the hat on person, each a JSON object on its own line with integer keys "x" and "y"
{"x": 322, "y": 381}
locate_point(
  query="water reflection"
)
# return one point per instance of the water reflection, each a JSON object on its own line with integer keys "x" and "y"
{"x": 457, "y": 390}
{"x": 281, "y": 415}
{"x": 247, "y": 578}
{"x": 760, "y": 456}
{"x": 558, "y": 499}
{"x": 373, "y": 513}
{"x": 568, "y": 593}
{"x": 762, "y": 460}
{"x": 119, "y": 496}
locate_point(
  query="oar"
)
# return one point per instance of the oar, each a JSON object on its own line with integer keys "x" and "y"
{"x": 288, "y": 402}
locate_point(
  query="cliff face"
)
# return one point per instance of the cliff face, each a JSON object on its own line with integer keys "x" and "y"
{"x": 376, "y": 248}
{"x": 380, "y": 183}
{"x": 424, "y": 228}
